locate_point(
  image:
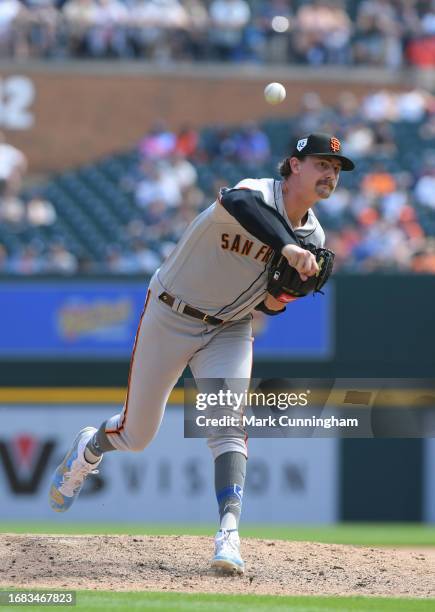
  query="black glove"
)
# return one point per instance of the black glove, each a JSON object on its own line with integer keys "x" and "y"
{"x": 261, "y": 307}
{"x": 284, "y": 282}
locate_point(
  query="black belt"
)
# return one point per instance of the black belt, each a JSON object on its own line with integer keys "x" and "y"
{"x": 189, "y": 310}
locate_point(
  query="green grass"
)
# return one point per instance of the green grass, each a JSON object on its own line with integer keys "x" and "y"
{"x": 186, "y": 602}
{"x": 367, "y": 534}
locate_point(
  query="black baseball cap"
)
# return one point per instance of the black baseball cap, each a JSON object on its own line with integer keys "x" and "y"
{"x": 321, "y": 144}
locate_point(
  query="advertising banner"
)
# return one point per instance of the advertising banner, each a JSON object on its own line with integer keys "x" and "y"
{"x": 74, "y": 319}
{"x": 304, "y": 331}
{"x": 85, "y": 319}
{"x": 170, "y": 481}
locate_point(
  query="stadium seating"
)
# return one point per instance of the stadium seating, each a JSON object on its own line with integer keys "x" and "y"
{"x": 94, "y": 208}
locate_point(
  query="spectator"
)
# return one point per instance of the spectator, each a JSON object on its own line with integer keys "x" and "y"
{"x": 425, "y": 188}
{"x": 272, "y": 24}
{"x": 187, "y": 141}
{"x": 150, "y": 22}
{"x": 252, "y": 145}
{"x": 384, "y": 142}
{"x": 410, "y": 225}
{"x": 4, "y": 264}
{"x": 359, "y": 140}
{"x": 312, "y": 115}
{"x": 60, "y": 260}
{"x": 362, "y": 139}
{"x": 347, "y": 110}
{"x": 384, "y": 33}
{"x": 158, "y": 220}
{"x": 228, "y": 20}
{"x": 12, "y": 212}
{"x": 378, "y": 34}
{"x": 81, "y": 18}
{"x": 196, "y": 45}
{"x": 157, "y": 184}
{"x": 108, "y": 36}
{"x": 378, "y": 182}
{"x": 427, "y": 130}
{"x": 145, "y": 260}
{"x": 158, "y": 143}
{"x": 380, "y": 106}
{"x": 423, "y": 260}
{"x": 384, "y": 246}
{"x": 182, "y": 171}
{"x": 179, "y": 220}
{"x": 322, "y": 33}
{"x": 343, "y": 244}
{"x": 41, "y": 212}
{"x": 335, "y": 212}
{"x": 428, "y": 20}
{"x": 412, "y": 105}
{"x": 38, "y": 26}
{"x": 27, "y": 261}
{"x": 218, "y": 143}
{"x": 9, "y": 11}
{"x": 394, "y": 203}
{"x": 13, "y": 165}
{"x": 420, "y": 52}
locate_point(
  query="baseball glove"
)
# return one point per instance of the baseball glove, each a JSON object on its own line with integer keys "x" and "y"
{"x": 284, "y": 282}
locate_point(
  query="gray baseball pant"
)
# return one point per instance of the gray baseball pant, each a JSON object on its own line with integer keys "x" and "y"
{"x": 166, "y": 342}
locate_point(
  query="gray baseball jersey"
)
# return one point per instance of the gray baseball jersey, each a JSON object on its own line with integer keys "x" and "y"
{"x": 218, "y": 266}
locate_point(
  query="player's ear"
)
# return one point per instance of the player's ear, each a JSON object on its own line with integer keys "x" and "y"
{"x": 295, "y": 165}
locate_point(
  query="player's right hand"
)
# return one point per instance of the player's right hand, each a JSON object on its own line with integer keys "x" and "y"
{"x": 300, "y": 259}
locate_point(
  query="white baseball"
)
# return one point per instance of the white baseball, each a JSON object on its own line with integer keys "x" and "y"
{"x": 274, "y": 93}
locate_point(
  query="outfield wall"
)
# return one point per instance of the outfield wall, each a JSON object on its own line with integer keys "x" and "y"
{"x": 171, "y": 481}
{"x": 429, "y": 481}
{"x": 378, "y": 326}
{"x": 70, "y": 113}
{"x": 309, "y": 480}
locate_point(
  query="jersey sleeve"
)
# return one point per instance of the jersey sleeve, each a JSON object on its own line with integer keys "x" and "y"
{"x": 248, "y": 207}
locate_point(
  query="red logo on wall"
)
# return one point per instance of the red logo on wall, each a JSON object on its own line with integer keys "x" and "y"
{"x": 25, "y": 459}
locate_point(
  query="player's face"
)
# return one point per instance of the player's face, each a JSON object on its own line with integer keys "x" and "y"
{"x": 324, "y": 173}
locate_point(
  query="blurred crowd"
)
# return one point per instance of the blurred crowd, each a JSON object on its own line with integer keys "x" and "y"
{"x": 389, "y": 33}
{"x": 380, "y": 218}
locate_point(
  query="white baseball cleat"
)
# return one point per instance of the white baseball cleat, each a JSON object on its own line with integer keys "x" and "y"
{"x": 70, "y": 475}
{"x": 227, "y": 552}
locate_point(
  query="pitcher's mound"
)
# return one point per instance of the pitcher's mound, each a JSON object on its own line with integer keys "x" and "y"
{"x": 182, "y": 563}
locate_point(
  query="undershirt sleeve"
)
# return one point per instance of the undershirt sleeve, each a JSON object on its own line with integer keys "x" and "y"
{"x": 248, "y": 207}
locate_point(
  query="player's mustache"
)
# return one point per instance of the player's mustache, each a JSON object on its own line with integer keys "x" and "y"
{"x": 329, "y": 183}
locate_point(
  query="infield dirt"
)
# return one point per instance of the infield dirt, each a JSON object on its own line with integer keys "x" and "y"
{"x": 182, "y": 563}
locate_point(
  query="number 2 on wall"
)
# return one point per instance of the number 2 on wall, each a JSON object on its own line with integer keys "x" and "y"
{"x": 17, "y": 94}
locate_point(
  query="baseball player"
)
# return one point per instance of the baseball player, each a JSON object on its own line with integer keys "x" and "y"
{"x": 188, "y": 320}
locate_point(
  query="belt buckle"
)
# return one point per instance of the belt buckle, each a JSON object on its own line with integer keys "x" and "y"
{"x": 205, "y": 318}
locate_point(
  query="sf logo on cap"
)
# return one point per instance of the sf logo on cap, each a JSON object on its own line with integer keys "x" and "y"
{"x": 335, "y": 145}
{"x": 302, "y": 143}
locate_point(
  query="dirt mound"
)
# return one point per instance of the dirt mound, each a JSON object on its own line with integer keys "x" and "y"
{"x": 182, "y": 563}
